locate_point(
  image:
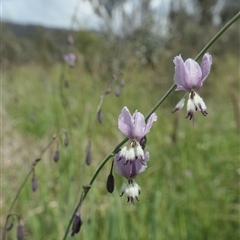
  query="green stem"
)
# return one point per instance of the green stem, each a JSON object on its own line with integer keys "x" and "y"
{"x": 111, "y": 154}
{"x": 15, "y": 199}
{"x": 217, "y": 36}
{"x": 23, "y": 184}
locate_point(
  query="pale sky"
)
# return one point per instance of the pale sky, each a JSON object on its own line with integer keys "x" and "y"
{"x": 58, "y": 13}
{"x": 50, "y": 13}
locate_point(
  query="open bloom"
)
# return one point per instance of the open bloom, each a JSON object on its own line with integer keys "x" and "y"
{"x": 189, "y": 76}
{"x": 134, "y": 126}
{"x": 129, "y": 162}
{"x": 70, "y": 59}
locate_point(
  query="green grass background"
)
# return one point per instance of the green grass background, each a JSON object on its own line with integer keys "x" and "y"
{"x": 190, "y": 190}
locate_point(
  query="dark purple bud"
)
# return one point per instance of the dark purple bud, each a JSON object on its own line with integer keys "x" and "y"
{"x": 110, "y": 183}
{"x": 9, "y": 226}
{"x": 122, "y": 82}
{"x": 117, "y": 91}
{"x": 56, "y": 156}
{"x": 88, "y": 159}
{"x": 143, "y": 142}
{"x": 20, "y": 233}
{"x": 100, "y": 116}
{"x": 108, "y": 91}
{"x": 34, "y": 184}
{"x": 77, "y": 223}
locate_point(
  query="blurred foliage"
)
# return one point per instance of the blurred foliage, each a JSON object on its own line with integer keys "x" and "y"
{"x": 190, "y": 189}
{"x": 189, "y": 28}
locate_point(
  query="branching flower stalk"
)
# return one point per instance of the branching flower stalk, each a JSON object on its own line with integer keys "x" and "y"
{"x": 99, "y": 118}
{"x": 31, "y": 172}
{"x": 161, "y": 100}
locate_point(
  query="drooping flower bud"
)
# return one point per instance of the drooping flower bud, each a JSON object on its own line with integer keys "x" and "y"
{"x": 88, "y": 159}
{"x": 100, "y": 116}
{"x": 34, "y": 184}
{"x": 20, "y": 234}
{"x": 110, "y": 183}
{"x": 56, "y": 156}
{"x": 76, "y": 226}
{"x": 66, "y": 140}
{"x": 122, "y": 82}
{"x": 117, "y": 91}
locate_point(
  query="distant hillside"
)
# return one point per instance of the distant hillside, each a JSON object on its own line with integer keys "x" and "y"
{"x": 32, "y": 43}
{"x": 29, "y": 30}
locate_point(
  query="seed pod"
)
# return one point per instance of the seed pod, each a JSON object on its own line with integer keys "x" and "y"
{"x": 77, "y": 223}
{"x": 20, "y": 233}
{"x": 100, "y": 116}
{"x": 110, "y": 183}
{"x": 34, "y": 184}
{"x": 56, "y": 156}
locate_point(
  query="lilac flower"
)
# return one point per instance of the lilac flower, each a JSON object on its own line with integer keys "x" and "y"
{"x": 129, "y": 162}
{"x": 134, "y": 126}
{"x": 70, "y": 59}
{"x": 70, "y": 40}
{"x": 189, "y": 76}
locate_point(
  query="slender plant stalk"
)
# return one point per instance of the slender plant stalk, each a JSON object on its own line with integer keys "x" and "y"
{"x": 23, "y": 184}
{"x": 111, "y": 154}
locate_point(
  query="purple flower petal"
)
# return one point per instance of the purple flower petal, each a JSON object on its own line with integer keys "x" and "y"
{"x": 149, "y": 124}
{"x": 194, "y": 73}
{"x": 134, "y": 127}
{"x": 125, "y": 123}
{"x": 139, "y": 126}
{"x": 206, "y": 66}
{"x": 130, "y": 168}
{"x": 70, "y": 59}
{"x": 180, "y": 76}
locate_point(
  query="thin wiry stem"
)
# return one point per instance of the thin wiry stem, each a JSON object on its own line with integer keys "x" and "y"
{"x": 24, "y": 182}
{"x": 161, "y": 100}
